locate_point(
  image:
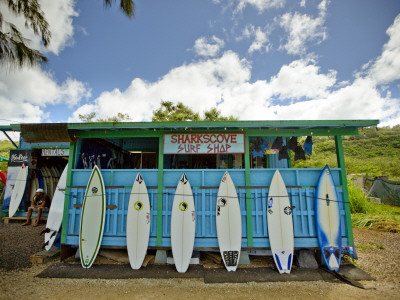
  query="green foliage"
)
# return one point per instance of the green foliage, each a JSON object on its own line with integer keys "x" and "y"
{"x": 180, "y": 112}
{"x": 365, "y": 214}
{"x": 371, "y": 246}
{"x": 171, "y": 112}
{"x": 215, "y": 115}
{"x": 374, "y": 152}
{"x": 127, "y": 7}
{"x": 90, "y": 117}
{"x": 358, "y": 201}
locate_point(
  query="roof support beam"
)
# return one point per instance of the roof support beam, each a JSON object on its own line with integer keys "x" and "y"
{"x": 10, "y": 139}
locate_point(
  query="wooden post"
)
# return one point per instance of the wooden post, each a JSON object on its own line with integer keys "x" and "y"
{"x": 249, "y": 219}
{"x": 343, "y": 182}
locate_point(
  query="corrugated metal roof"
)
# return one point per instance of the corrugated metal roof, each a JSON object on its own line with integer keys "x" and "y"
{"x": 46, "y": 132}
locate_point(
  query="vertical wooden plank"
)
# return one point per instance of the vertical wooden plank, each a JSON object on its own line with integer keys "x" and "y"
{"x": 114, "y": 212}
{"x": 203, "y": 213}
{"x": 257, "y": 217}
{"x": 160, "y": 189}
{"x": 264, "y": 211}
{"x": 301, "y": 224}
{"x": 343, "y": 182}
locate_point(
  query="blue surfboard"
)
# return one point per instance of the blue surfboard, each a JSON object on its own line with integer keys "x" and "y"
{"x": 327, "y": 213}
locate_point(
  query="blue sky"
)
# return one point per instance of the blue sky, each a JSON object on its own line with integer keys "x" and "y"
{"x": 253, "y": 59}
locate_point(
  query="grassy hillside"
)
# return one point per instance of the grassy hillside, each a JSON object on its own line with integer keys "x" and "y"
{"x": 5, "y": 147}
{"x": 374, "y": 152}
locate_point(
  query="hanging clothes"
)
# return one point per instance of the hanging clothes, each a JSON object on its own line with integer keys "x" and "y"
{"x": 299, "y": 153}
{"x": 278, "y": 143}
{"x": 283, "y": 153}
{"x": 308, "y": 145}
{"x": 259, "y": 147}
{"x": 292, "y": 143}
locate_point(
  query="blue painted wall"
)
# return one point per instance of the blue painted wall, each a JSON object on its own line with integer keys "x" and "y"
{"x": 300, "y": 183}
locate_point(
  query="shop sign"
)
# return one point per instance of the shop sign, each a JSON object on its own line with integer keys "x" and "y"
{"x": 55, "y": 152}
{"x": 204, "y": 143}
{"x": 19, "y": 157}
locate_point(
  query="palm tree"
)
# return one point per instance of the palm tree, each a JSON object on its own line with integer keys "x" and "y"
{"x": 14, "y": 48}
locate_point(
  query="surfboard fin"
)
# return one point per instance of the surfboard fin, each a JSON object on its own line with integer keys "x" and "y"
{"x": 53, "y": 234}
{"x": 46, "y": 230}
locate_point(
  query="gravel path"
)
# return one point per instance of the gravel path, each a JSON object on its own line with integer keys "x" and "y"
{"x": 378, "y": 252}
{"x": 18, "y": 243}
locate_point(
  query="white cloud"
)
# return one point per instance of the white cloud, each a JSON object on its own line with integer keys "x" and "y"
{"x": 360, "y": 100}
{"x": 59, "y": 14}
{"x": 260, "y": 41}
{"x": 386, "y": 67}
{"x": 260, "y": 5}
{"x": 301, "y": 78}
{"x": 298, "y": 91}
{"x": 302, "y": 29}
{"x": 199, "y": 85}
{"x": 208, "y": 47}
{"x": 25, "y": 93}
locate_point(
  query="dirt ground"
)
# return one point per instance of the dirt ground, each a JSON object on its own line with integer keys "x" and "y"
{"x": 378, "y": 255}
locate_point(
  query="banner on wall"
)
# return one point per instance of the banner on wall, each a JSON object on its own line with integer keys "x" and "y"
{"x": 19, "y": 157}
{"x": 55, "y": 152}
{"x": 204, "y": 143}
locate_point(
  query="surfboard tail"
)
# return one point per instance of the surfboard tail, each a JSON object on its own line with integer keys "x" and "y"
{"x": 283, "y": 259}
{"x": 332, "y": 256}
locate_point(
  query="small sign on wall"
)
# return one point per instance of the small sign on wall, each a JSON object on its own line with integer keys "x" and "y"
{"x": 55, "y": 152}
{"x": 204, "y": 143}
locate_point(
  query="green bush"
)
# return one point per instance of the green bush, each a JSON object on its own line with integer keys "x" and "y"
{"x": 358, "y": 201}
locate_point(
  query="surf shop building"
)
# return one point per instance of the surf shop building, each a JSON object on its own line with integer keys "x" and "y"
{"x": 251, "y": 151}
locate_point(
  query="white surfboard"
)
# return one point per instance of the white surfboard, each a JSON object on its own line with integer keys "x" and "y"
{"x": 92, "y": 219}
{"x": 56, "y": 212}
{"x": 183, "y": 225}
{"x": 327, "y": 212}
{"x": 229, "y": 223}
{"x": 280, "y": 224}
{"x": 18, "y": 191}
{"x": 138, "y": 223}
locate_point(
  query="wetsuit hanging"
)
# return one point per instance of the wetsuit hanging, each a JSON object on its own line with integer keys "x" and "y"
{"x": 292, "y": 143}
{"x": 283, "y": 153}
{"x": 299, "y": 153}
{"x": 278, "y": 143}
